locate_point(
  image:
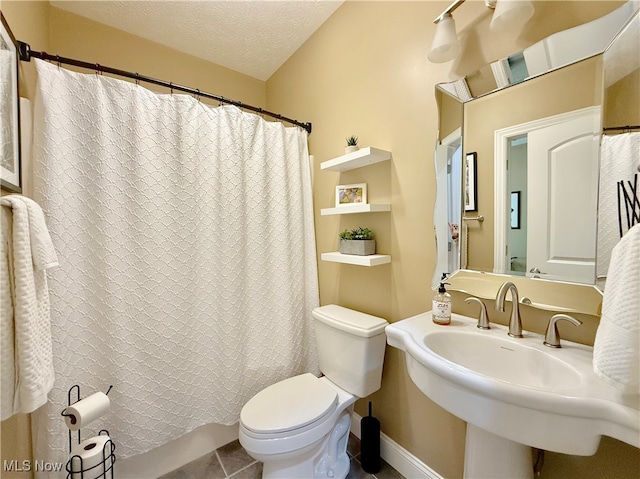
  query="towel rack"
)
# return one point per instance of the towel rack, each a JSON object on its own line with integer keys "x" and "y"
{"x": 478, "y": 218}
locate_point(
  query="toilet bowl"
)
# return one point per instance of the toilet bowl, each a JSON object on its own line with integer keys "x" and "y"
{"x": 290, "y": 446}
{"x": 299, "y": 428}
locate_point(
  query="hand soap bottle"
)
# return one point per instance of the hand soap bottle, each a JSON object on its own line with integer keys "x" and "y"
{"x": 441, "y": 309}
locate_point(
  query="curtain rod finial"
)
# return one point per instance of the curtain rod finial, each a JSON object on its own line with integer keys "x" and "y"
{"x": 25, "y": 51}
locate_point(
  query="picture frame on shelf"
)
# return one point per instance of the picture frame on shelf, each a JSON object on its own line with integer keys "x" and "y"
{"x": 351, "y": 194}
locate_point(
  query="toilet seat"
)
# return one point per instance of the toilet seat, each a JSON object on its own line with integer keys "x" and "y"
{"x": 292, "y": 405}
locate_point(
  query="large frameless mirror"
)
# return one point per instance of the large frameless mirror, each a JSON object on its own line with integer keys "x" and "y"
{"x": 532, "y": 218}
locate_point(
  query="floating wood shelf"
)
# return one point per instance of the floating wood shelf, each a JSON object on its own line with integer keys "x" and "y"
{"x": 355, "y": 208}
{"x": 362, "y": 157}
{"x": 370, "y": 260}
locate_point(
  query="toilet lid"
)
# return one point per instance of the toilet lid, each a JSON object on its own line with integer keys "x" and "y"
{"x": 290, "y": 404}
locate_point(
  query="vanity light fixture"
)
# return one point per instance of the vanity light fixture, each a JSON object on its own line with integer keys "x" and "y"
{"x": 445, "y": 44}
{"x": 509, "y": 14}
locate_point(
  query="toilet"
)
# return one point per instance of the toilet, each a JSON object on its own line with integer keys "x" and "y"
{"x": 299, "y": 427}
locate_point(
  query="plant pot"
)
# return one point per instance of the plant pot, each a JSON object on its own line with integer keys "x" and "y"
{"x": 351, "y": 149}
{"x": 358, "y": 247}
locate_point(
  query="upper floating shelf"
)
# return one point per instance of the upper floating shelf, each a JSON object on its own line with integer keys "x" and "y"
{"x": 362, "y": 157}
{"x": 356, "y": 208}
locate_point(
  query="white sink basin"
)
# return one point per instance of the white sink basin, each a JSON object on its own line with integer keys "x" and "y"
{"x": 516, "y": 389}
{"x": 504, "y": 359}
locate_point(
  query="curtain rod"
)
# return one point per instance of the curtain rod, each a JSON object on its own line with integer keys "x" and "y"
{"x": 626, "y": 127}
{"x": 26, "y": 54}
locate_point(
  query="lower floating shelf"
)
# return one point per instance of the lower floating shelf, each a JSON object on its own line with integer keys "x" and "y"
{"x": 370, "y": 260}
{"x": 355, "y": 208}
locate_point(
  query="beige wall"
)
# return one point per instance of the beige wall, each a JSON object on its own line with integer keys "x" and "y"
{"x": 365, "y": 72}
{"x": 450, "y": 114}
{"x": 622, "y": 101}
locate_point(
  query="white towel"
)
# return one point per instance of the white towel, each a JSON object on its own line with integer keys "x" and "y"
{"x": 27, "y": 251}
{"x": 616, "y": 351}
{"x": 7, "y": 331}
{"x": 619, "y": 161}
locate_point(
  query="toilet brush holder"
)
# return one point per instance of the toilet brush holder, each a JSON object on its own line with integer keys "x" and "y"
{"x": 370, "y": 443}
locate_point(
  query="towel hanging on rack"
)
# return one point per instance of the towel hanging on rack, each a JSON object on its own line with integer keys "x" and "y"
{"x": 26, "y": 252}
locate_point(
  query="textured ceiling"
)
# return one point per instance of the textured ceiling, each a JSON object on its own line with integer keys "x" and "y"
{"x": 252, "y": 37}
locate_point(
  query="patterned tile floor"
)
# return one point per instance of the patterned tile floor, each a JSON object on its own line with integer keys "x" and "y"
{"x": 232, "y": 462}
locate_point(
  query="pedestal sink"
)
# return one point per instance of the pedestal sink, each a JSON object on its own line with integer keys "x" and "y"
{"x": 513, "y": 393}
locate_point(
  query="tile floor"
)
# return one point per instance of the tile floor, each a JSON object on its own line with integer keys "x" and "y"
{"x": 232, "y": 462}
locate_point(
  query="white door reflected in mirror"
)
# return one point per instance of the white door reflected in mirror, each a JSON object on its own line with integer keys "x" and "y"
{"x": 556, "y": 160}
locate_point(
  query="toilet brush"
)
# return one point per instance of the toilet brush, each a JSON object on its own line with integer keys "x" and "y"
{"x": 370, "y": 443}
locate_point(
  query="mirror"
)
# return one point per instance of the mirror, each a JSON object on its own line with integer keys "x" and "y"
{"x": 508, "y": 122}
{"x": 9, "y": 111}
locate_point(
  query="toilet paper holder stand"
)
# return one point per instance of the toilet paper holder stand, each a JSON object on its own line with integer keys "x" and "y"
{"x": 108, "y": 455}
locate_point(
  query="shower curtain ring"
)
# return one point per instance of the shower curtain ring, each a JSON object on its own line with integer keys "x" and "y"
{"x": 58, "y": 61}
{"x": 137, "y": 79}
{"x": 98, "y": 69}
{"x": 198, "y": 94}
{"x": 171, "y": 87}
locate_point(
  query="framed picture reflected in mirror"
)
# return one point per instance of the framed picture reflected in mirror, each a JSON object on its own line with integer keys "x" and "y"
{"x": 515, "y": 210}
{"x": 471, "y": 182}
{"x": 10, "y": 165}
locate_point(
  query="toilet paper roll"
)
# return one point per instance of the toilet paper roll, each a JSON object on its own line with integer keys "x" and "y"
{"x": 92, "y": 458}
{"x": 86, "y": 410}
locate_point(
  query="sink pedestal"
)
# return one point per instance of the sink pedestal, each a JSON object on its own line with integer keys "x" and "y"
{"x": 487, "y": 455}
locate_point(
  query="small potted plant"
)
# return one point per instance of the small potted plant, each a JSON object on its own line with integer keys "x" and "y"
{"x": 352, "y": 144}
{"x": 358, "y": 241}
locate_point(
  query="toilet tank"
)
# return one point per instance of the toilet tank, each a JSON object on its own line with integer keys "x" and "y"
{"x": 350, "y": 347}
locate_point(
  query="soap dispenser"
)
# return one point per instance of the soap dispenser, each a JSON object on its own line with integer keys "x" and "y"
{"x": 441, "y": 309}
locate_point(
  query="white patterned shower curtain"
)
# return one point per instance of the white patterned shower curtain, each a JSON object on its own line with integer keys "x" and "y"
{"x": 187, "y": 256}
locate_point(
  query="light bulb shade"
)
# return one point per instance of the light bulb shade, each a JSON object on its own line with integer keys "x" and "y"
{"x": 445, "y": 44}
{"x": 511, "y": 14}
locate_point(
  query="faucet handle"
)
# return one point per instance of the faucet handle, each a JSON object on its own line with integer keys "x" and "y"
{"x": 552, "y": 337}
{"x": 483, "y": 320}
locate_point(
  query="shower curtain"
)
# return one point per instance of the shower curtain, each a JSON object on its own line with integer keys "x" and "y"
{"x": 187, "y": 257}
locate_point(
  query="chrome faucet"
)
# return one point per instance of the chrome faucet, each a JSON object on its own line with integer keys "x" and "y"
{"x": 552, "y": 337}
{"x": 515, "y": 323}
{"x": 483, "y": 320}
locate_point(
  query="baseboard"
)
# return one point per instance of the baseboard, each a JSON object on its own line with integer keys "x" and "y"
{"x": 398, "y": 457}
